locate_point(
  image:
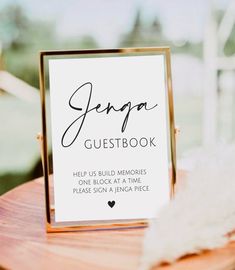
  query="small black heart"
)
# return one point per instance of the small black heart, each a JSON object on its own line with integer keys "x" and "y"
{"x": 111, "y": 203}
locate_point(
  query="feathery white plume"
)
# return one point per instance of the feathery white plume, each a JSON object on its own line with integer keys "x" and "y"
{"x": 201, "y": 214}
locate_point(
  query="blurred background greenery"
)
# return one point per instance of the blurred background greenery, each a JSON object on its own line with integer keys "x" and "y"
{"x": 27, "y": 27}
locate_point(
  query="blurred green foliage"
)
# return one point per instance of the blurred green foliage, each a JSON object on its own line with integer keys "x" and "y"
{"x": 229, "y": 48}
{"x": 151, "y": 34}
{"x": 23, "y": 38}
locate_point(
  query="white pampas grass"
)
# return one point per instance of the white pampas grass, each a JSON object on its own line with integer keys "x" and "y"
{"x": 201, "y": 214}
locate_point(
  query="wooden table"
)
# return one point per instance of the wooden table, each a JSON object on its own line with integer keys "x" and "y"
{"x": 25, "y": 245}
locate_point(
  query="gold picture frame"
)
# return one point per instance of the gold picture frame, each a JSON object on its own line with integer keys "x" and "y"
{"x": 53, "y": 226}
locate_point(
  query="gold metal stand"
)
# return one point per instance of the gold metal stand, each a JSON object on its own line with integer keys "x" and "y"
{"x": 53, "y": 226}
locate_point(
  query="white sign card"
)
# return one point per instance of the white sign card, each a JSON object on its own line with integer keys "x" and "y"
{"x": 109, "y": 129}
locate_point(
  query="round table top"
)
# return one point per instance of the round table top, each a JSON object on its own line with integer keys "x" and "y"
{"x": 26, "y": 245}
